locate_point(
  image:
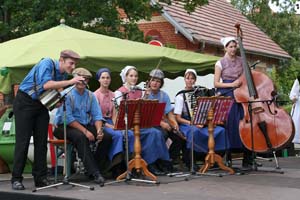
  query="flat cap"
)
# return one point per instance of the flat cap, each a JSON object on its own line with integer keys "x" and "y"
{"x": 82, "y": 72}
{"x": 69, "y": 54}
{"x": 157, "y": 73}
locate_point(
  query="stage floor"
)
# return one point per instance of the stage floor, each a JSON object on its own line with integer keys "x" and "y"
{"x": 252, "y": 185}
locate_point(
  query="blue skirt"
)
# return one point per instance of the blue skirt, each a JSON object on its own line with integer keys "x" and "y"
{"x": 153, "y": 145}
{"x": 118, "y": 139}
{"x": 201, "y": 137}
{"x": 235, "y": 115}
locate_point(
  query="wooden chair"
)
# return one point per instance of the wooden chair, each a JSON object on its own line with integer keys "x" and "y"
{"x": 57, "y": 150}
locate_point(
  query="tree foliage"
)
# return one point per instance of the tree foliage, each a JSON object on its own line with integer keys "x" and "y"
{"x": 23, "y": 17}
{"x": 282, "y": 27}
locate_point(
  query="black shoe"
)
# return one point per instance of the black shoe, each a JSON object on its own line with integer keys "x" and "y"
{"x": 98, "y": 178}
{"x": 17, "y": 185}
{"x": 118, "y": 170}
{"x": 165, "y": 166}
{"x": 42, "y": 183}
{"x": 195, "y": 167}
{"x": 154, "y": 170}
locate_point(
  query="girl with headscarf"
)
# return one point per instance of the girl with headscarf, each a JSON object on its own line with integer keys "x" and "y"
{"x": 104, "y": 96}
{"x": 152, "y": 140}
{"x": 183, "y": 112}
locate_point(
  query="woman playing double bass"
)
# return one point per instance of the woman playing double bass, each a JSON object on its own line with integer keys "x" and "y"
{"x": 229, "y": 69}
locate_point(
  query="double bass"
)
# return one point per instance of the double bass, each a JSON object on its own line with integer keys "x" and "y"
{"x": 265, "y": 126}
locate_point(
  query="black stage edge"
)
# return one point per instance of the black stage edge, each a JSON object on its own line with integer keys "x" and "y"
{"x": 22, "y": 196}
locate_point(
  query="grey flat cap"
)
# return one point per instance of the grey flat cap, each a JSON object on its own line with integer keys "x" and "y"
{"x": 82, "y": 72}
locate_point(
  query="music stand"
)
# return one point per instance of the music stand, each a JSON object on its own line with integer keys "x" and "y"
{"x": 139, "y": 113}
{"x": 65, "y": 181}
{"x": 212, "y": 111}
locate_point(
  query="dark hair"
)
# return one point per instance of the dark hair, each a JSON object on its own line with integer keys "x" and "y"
{"x": 230, "y": 42}
{"x": 190, "y": 73}
{"x": 161, "y": 80}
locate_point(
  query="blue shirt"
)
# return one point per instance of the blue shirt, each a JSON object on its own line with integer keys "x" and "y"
{"x": 82, "y": 108}
{"x": 162, "y": 97}
{"x": 44, "y": 73}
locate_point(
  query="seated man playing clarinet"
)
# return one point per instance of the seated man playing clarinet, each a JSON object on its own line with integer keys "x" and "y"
{"x": 84, "y": 126}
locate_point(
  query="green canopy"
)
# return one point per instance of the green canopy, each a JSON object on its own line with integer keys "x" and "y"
{"x": 18, "y": 56}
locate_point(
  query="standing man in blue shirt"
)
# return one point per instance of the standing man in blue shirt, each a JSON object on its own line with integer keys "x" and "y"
{"x": 84, "y": 126}
{"x": 32, "y": 117}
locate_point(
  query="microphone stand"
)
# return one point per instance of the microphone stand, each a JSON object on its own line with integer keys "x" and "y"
{"x": 228, "y": 160}
{"x": 192, "y": 173}
{"x": 65, "y": 181}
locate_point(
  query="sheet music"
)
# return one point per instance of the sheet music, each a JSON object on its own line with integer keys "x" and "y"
{"x": 222, "y": 105}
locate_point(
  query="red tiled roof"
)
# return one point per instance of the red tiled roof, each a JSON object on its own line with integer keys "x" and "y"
{"x": 211, "y": 22}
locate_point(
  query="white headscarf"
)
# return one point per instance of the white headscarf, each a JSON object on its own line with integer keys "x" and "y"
{"x": 124, "y": 71}
{"x": 226, "y": 40}
{"x": 191, "y": 70}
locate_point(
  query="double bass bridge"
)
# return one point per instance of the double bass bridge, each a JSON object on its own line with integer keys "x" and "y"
{"x": 258, "y": 110}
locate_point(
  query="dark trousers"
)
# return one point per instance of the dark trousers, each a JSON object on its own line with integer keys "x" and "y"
{"x": 31, "y": 119}
{"x": 90, "y": 160}
{"x": 178, "y": 145}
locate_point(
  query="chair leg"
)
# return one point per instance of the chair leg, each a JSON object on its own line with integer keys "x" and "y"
{"x": 69, "y": 159}
{"x": 59, "y": 153}
{"x": 56, "y": 163}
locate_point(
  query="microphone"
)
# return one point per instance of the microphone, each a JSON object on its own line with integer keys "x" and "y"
{"x": 132, "y": 88}
{"x": 82, "y": 81}
{"x": 254, "y": 64}
{"x": 199, "y": 87}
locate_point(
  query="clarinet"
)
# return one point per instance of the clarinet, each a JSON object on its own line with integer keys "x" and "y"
{"x": 94, "y": 145}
